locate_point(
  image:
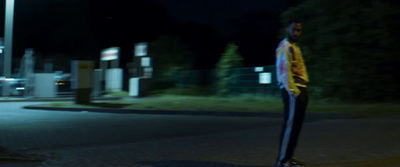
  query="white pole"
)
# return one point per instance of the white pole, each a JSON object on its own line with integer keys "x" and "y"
{"x": 8, "y": 37}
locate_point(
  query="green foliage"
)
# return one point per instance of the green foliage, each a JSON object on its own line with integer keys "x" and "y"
{"x": 245, "y": 103}
{"x": 169, "y": 55}
{"x": 229, "y": 60}
{"x": 162, "y": 81}
{"x": 192, "y": 90}
{"x": 120, "y": 94}
{"x": 350, "y": 48}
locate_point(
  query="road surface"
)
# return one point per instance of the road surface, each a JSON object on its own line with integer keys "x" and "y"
{"x": 103, "y": 139}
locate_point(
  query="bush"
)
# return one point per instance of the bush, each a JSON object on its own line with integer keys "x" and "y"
{"x": 229, "y": 60}
{"x": 350, "y": 48}
{"x": 190, "y": 91}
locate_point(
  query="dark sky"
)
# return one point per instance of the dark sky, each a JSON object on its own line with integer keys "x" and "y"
{"x": 246, "y": 22}
{"x": 218, "y": 13}
{"x": 81, "y": 28}
{"x": 204, "y": 11}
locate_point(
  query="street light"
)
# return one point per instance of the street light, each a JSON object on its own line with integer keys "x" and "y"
{"x": 8, "y": 36}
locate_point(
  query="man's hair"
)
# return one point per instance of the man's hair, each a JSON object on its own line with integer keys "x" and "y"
{"x": 293, "y": 20}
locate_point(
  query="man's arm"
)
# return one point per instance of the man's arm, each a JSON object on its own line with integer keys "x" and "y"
{"x": 284, "y": 61}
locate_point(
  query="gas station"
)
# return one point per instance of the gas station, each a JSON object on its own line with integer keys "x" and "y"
{"x": 111, "y": 74}
{"x": 108, "y": 78}
{"x": 140, "y": 83}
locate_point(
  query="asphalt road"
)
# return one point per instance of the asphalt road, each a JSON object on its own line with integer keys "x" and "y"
{"x": 103, "y": 139}
{"x": 22, "y": 129}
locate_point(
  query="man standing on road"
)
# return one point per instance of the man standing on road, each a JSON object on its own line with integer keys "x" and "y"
{"x": 292, "y": 78}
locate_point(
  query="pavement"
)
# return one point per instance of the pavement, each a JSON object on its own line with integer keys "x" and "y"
{"x": 333, "y": 141}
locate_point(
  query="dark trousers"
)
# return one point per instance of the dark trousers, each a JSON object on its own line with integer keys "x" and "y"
{"x": 294, "y": 112}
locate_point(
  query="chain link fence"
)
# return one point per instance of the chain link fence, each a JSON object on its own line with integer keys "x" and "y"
{"x": 253, "y": 80}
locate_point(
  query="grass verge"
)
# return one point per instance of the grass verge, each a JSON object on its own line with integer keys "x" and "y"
{"x": 243, "y": 104}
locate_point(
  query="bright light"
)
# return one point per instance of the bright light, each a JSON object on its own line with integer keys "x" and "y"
{"x": 8, "y": 37}
{"x": 145, "y": 61}
{"x": 9, "y": 79}
{"x": 141, "y": 49}
{"x": 20, "y": 88}
{"x": 258, "y": 69}
{"x": 265, "y": 78}
{"x": 110, "y": 54}
{"x": 148, "y": 69}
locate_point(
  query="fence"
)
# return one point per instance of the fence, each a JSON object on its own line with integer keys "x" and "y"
{"x": 256, "y": 80}
{"x": 247, "y": 80}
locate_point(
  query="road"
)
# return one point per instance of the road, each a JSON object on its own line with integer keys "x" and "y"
{"x": 103, "y": 139}
{"x": 23, "y": 129}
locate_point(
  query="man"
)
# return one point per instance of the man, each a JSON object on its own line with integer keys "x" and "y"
{"x": 292, "y": 78}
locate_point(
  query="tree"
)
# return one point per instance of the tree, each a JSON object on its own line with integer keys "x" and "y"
{"x": 169, "y": 55}
{"x": 229, "y": 60}
{"x": 349, "y": 48}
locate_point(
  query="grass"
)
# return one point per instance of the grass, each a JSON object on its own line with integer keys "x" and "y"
{"x": 245, "y": 103}
{"x": 120, "y": 94}
{"x": 199, "y": 103}
{"x": 359, "y": 110}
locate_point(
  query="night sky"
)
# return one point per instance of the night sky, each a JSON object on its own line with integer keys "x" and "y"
{"x": 217, "y": 11}
{"x": 78, "y": 29}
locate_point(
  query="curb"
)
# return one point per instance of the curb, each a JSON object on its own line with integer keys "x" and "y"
{"x": 17, "y": 159}
{"x": 309, "y": 116}
{"x": 52, "y": 99}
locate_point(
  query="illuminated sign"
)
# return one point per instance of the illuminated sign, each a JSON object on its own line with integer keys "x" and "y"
{"x": 265, "y": 78}
{"x": 145, "y": 62}
{"x": 258, "y": 69}
{"x": 141, "y": 49}
{"x": 110, "y": 54}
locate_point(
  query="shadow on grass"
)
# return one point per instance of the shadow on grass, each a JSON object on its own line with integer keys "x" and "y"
{"x": 108, "y": 105}
{"x": 177, "y": 163}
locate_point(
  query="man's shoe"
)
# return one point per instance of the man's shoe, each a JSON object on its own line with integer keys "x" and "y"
{"x": 284, "y": 164}
{"x": 290, "y": 163}
{"x": 297, "y": 162}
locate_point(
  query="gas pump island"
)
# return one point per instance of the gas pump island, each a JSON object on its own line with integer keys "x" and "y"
{"x": 139, "y": 84}
{"x": 142, "y": 70}
{"x": 88, "y": 82}
{"x": 110, "y": 71}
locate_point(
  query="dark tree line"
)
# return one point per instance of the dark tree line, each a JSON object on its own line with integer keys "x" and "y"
{"x": 350, "y": 48}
